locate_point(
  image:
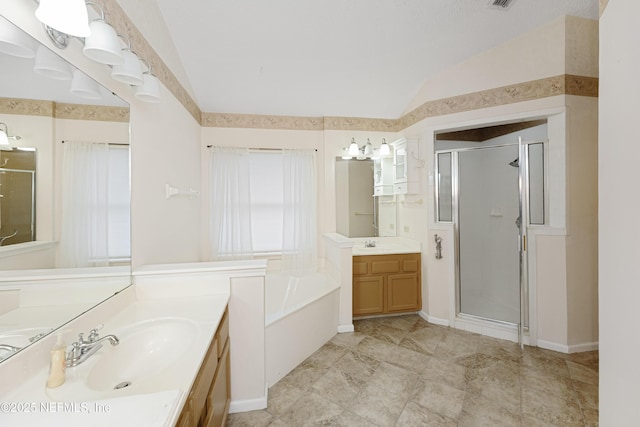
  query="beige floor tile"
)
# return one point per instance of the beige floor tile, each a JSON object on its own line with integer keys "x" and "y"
{"x": 338, "y": 387}
{"x": 415, "y": 415}
{"x": 582, "y": 373}
{"x": 250, "y": 419}
{"x": 402, "y": 371}
{"x": 312, "y": 409}
{"x": 379, "y": 406}
{"x": 394, "y": 379}
{"x": 327, "y": 355}
{"x": 478, "y": 411}
{"x": 440, "y": 398}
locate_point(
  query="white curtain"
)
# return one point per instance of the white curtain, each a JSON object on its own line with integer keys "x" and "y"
{"x": 300, "y": 250}
{"x": 84, "y": 230}
{"x": 230, "y": 206}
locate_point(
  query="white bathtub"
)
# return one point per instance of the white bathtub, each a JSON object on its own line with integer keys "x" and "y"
{"x": 301, "y": 315}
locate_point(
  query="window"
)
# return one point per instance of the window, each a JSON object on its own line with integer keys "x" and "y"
{"x": 267, "y": 201}
{"x": 119, "y": 230}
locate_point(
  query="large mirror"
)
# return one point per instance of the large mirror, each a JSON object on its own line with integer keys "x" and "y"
{"x": 64, "y": 191}
{"x": 364, "y": 209}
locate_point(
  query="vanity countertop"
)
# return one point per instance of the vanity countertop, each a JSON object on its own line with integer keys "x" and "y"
{"x": 385, "y": 246}
{"x": 157, "y": 393}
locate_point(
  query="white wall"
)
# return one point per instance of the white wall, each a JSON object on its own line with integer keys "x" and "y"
{"x": 619, "y": 209}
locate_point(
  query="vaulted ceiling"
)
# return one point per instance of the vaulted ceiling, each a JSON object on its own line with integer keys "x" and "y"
{"x": 364, "y": 58}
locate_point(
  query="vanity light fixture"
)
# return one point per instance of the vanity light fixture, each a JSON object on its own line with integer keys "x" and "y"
{"x": 354, "y": 150}
{"x": 50, "y": 65}
{"x": 384, "y": 148}
{"x": 4, "y": 137}
{"x": 102, "y": 45}
{"x": 14, "y": 41}
{"x": 130, "y": 71}
{"x": 84, "y": 86}
{"x": 71, "y": 18}
{"x": 149, "y": 90}
{"x": 367, "y": 149}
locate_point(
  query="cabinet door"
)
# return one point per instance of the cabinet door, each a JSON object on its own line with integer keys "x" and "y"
{"x": 400, "y": 163}
{"x": 368, "y": 295}
{"x": 403, "y": 292}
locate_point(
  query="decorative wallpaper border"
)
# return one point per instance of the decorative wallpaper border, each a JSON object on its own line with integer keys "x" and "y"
{"x": 90, "y": 112}
{"x": 124, "y": 26}
{"x": 258, "y": 121}
{"x": 34, "y": 107}
{"x": 565, "y": 84}
{"x": 26, "y": 107}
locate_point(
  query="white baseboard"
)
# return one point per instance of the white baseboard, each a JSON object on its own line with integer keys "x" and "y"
{"x": 576, "y": 348}
{"x": 587, "y": 346}
{"x": 249, "y": 404}
{"x": 434, "y": 320}
{"x": 345, "y": 328}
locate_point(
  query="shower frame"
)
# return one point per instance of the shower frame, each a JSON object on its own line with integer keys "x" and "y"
{"x": 522, "y": 327}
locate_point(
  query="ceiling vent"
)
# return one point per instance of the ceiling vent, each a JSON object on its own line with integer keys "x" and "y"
{"x": 500, "y": 4}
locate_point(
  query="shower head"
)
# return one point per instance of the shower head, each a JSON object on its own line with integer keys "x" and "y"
{"x": 515, "y": 163}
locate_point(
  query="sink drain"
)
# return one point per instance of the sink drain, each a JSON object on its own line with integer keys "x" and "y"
{"x": 123, "y": 384}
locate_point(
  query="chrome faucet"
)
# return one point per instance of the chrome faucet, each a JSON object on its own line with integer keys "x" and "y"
{"x": 82, "y": 349}
{"x": 369, "y": 243}
{"x": 10, "y": 348}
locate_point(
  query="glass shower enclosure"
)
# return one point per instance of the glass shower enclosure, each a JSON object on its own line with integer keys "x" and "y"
{"x": 492, "y": 195}
{"x": 17, "y": 196}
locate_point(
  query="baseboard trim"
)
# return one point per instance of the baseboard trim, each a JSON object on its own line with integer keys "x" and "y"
{"x": 250, "y": 404}
{"x": 345, "y": 328}
{"x": 576, "y": 348}
{"x": 434, "y": 320}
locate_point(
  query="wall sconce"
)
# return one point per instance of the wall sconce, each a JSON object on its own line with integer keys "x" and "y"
{"x": 73, "y": 19}
{"x": 14, "y": 42}
{"x": 4, "y": 137}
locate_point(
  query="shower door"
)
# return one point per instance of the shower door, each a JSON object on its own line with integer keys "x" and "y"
{"x": 493, "y": 195}
{"x": 488, "y": 228}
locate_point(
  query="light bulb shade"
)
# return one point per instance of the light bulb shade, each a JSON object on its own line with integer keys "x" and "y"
{"x": 130, "y": 71}
{"x": 354, "y": 150}
{"x": 384, "y": 149}
{"x": 84, "y": 86}
{"x": 4, "y": 139}
{"x": 103, "y": 45}
{"x": 14, "y": 41}
{"x": 149, "y": 90}
{"x": 50, "y": 65}
{"x": 368, "y": 148}
{"x": 68, "y": 16}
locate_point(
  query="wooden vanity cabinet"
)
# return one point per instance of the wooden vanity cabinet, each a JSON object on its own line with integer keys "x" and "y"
{"x": 208, "y": 402}
{"x": 385, "y": 284}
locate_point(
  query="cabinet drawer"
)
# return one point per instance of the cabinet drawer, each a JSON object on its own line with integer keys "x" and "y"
{"x": 385, "y": 266}
{"x": 360, "y": 267}
{"x": 410, "y": 265}
{"x": 223, "y": 333}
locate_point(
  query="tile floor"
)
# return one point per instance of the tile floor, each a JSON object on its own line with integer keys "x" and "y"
{"x": 403, "y": 371}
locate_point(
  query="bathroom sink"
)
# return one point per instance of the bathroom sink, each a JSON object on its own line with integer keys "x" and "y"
{"x": 23, "y": 337}
{"x": 146, "y": 349}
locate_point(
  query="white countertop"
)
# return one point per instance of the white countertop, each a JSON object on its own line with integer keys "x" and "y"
{"x": 385, "y": 246}
{"x": 157, "y": 399}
